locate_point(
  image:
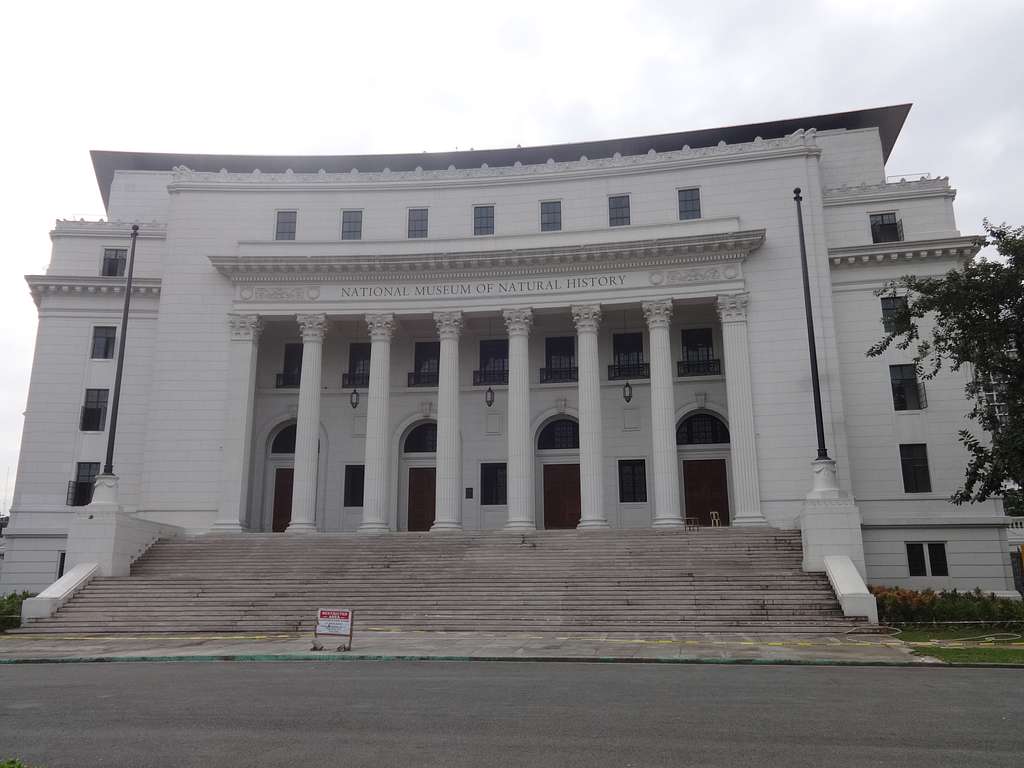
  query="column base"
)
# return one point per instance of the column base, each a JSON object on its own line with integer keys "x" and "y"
{"x": 300, "y": 528}
{"x": 592, "y": 525}
{"x": 224, "y": 527}
{"x": 519, "y": 526}
{"x": 373, "y": 527}
{"x": 445, "y": 525}
{"x": 667, "y": 522}
{"x": 749, "y": 520}
{"x": 830, "y": 522}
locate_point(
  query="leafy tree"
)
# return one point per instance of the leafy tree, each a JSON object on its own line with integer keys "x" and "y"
{"x": 978, "y": 315}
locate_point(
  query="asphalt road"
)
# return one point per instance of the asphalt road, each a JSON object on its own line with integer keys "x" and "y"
{"x": 508, "y": 714}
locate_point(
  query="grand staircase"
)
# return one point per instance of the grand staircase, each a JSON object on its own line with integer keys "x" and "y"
{"x": 712, "y": 580}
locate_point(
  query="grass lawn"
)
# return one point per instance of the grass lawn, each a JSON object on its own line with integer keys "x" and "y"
{"x": 1006, "y": 645}
{"x": 1002, "y": 635}
{"x": 992, "y": 655}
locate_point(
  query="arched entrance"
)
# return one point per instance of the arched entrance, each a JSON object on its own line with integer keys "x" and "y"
{"x": 281, "y": 474}
{"x": 702, "y": 439}
{"x": 558, "y": 452}
{"x": 419, "y": 473}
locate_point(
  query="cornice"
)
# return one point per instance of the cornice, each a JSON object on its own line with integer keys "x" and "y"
{"x": 880, "y": 193}
{"x": 151, "y": 230}
{"x": 800, "y": 143}
{"x": 695, "y": 249}
{"x": 71, "y": 285}
{"x": 960, "y": 248}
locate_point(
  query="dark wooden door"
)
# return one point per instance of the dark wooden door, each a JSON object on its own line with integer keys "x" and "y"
{"x": 421, "y": 497}
{"x": 283, "y": 478}
{"x": 706, "y": 489}
{"x": 561, "y": 495}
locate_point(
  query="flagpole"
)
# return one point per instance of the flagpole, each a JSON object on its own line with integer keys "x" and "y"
{"x": 108, "y": 467}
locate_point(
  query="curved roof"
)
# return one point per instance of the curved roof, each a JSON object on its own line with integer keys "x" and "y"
{"x": 889, "y": 121}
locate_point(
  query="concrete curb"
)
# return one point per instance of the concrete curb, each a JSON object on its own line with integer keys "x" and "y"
{"x": 562, "y": 659}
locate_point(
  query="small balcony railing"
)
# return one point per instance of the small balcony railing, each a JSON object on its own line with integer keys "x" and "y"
{"x": 422, "y": 378}
{"x": 481, "y": 378}
{"x": 699, "y": 368}
{"x": 79, "y": 493}
{"x": 629, "y": 371}
{"x": 559, "y": 375}
{"x": 94, "y": 418}
{"x": 353, "y": 380}
{"x": 288, "y": 379}
{"x": 890, "y": 232}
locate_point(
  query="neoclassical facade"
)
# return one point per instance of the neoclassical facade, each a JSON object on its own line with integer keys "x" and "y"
{"x": 599, "y": 335}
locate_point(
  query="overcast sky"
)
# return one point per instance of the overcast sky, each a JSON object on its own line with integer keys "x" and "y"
{"x": 342, "y": 77}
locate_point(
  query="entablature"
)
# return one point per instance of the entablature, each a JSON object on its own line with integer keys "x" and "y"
{"x": 70, "y": 285}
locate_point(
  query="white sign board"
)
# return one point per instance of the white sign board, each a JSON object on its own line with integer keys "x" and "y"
{"x": 334, "y": 621}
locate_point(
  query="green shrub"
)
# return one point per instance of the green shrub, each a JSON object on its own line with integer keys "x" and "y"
{"x": 927, "y": 606}
{"x": 10, "y": 616}
{"x": 13, "y": 764}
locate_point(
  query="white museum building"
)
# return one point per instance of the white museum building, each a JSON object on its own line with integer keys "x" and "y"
{"x": 596, "y": 335}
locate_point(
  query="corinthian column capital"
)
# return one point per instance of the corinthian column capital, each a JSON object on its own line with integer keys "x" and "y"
{"x": 518, "y": 321}
{"x": 245, "y": 327}
{"x": 658, "y": 313}
{"x": 381, "y": 326}
{"x": 732, "y": 307}
{"x": 313, "y": 326}
{"x": 587, "y": 317}
{"x": 449, "y": 324}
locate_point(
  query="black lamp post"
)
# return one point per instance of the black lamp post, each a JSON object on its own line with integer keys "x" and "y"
{"x": 108, "y": 467}
{"x": 812, "y": 347}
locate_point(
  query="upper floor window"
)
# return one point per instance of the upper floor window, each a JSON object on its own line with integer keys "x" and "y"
{"x": 291, "y": 371}
{"x": 417, "y": 222}
{"x": 286, "y": 224}
{"x": 559, "y": 360}
{"x": 914, "y": 463}
{"x": 358, "y": 374}
{"x": 886, "y": 228}
{"x": 890, "y": 306}
{"x": 483, "y": 219}
{"x": 493, "y": 362}
{"x": 426, "y": 364}
{"x": 618, "y": 210}
{"x": 80, "y": 489}
{"x": 94, "y": 410}
{"x": 551, "y": 216}
{"x": 103, "y": 337}
{"x": 698, "y": 353}
{"x": 993, "y": 395}
{"x": 628, "y": 357}
{"x": 114, "y": 261}
{"x": 689, "y": 204}
{"x": 351, "y": 225}
{"x": 907, "y": 392}
{"x": 935, "y": 564}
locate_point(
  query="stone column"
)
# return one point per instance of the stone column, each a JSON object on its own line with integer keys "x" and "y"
{"x": 520, "y": 441}
{"x": 665, "y": 462}
{"x": 307, "y": 430}
{"x": 587, "y": 318}
{"x": 375, "y": 482}
{"x": 746, "y": 500}
{"x": 236, "y": 446}
{"x": 448, "y": 493}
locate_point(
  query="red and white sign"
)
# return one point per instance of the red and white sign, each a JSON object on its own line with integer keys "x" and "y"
{"x": 334, "y": 621}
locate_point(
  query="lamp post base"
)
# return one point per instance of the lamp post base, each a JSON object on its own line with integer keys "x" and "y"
{"x": 830, "y": 522}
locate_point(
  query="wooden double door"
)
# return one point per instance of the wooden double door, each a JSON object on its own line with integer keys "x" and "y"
{"x": 706, "y": 489}
{"x": 561, "y": 495}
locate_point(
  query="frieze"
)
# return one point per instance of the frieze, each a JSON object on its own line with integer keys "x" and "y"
{"x": 279, "y": 293}
{"x": 696, "y": 275}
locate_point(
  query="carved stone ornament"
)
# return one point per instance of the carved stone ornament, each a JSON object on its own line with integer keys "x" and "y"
{"x": 587, "y": 317}
{"x": 449, "y": 324}
{"x": 518, "y": 321}
{"x": 313, "y": 327}
{"x": 381, "y": 326}
{"x": 245, "y": 327}
{"x": 658, "y": 313}
{"x": 732, "y": 308}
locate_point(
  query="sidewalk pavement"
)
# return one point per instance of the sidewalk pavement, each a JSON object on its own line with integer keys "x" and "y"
{"x": 464, "y": 646}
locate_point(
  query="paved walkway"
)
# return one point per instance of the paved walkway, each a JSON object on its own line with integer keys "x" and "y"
{"x": 720, "y": 648}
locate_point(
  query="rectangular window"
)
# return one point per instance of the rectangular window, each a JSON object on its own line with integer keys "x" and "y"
{"x": 628, "y": 348}
{"x": 80, "y": 489}
{"x": 907, "y": 392}
{"x": 689, "y": 204}
{"x": 417, "y": 222}
{"x": 697, "y": 345}
{"x": 632, "y": 481}
{"x": 103, "y": 337}
{"x": 61, "y": 561}
{"x": 890, "y": 306}
{"x": 286, "y": 225}
{"x": 94, "y": 411}
{"x": 483, "y": 219}
{"x": 291, "y": 371}
{"x": 560, "y": 352}
{"x": 351, "y": 225}
{"x": 493, "y": 484}
{"x": 993, "y": 396}
{"x": 927, "y": 559}
{"x": 426, "y": 363}
{"x": 494, "y": 355}
{"x": 551, "y": 216}
{"x": 358, "y": 374}
{"x": 618, "y": 210}
{"x": 886, "y": 228}
{"x": 353, "y": 485}
{"x": 914, "y": 461}
{"x": 114, "y": 261}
